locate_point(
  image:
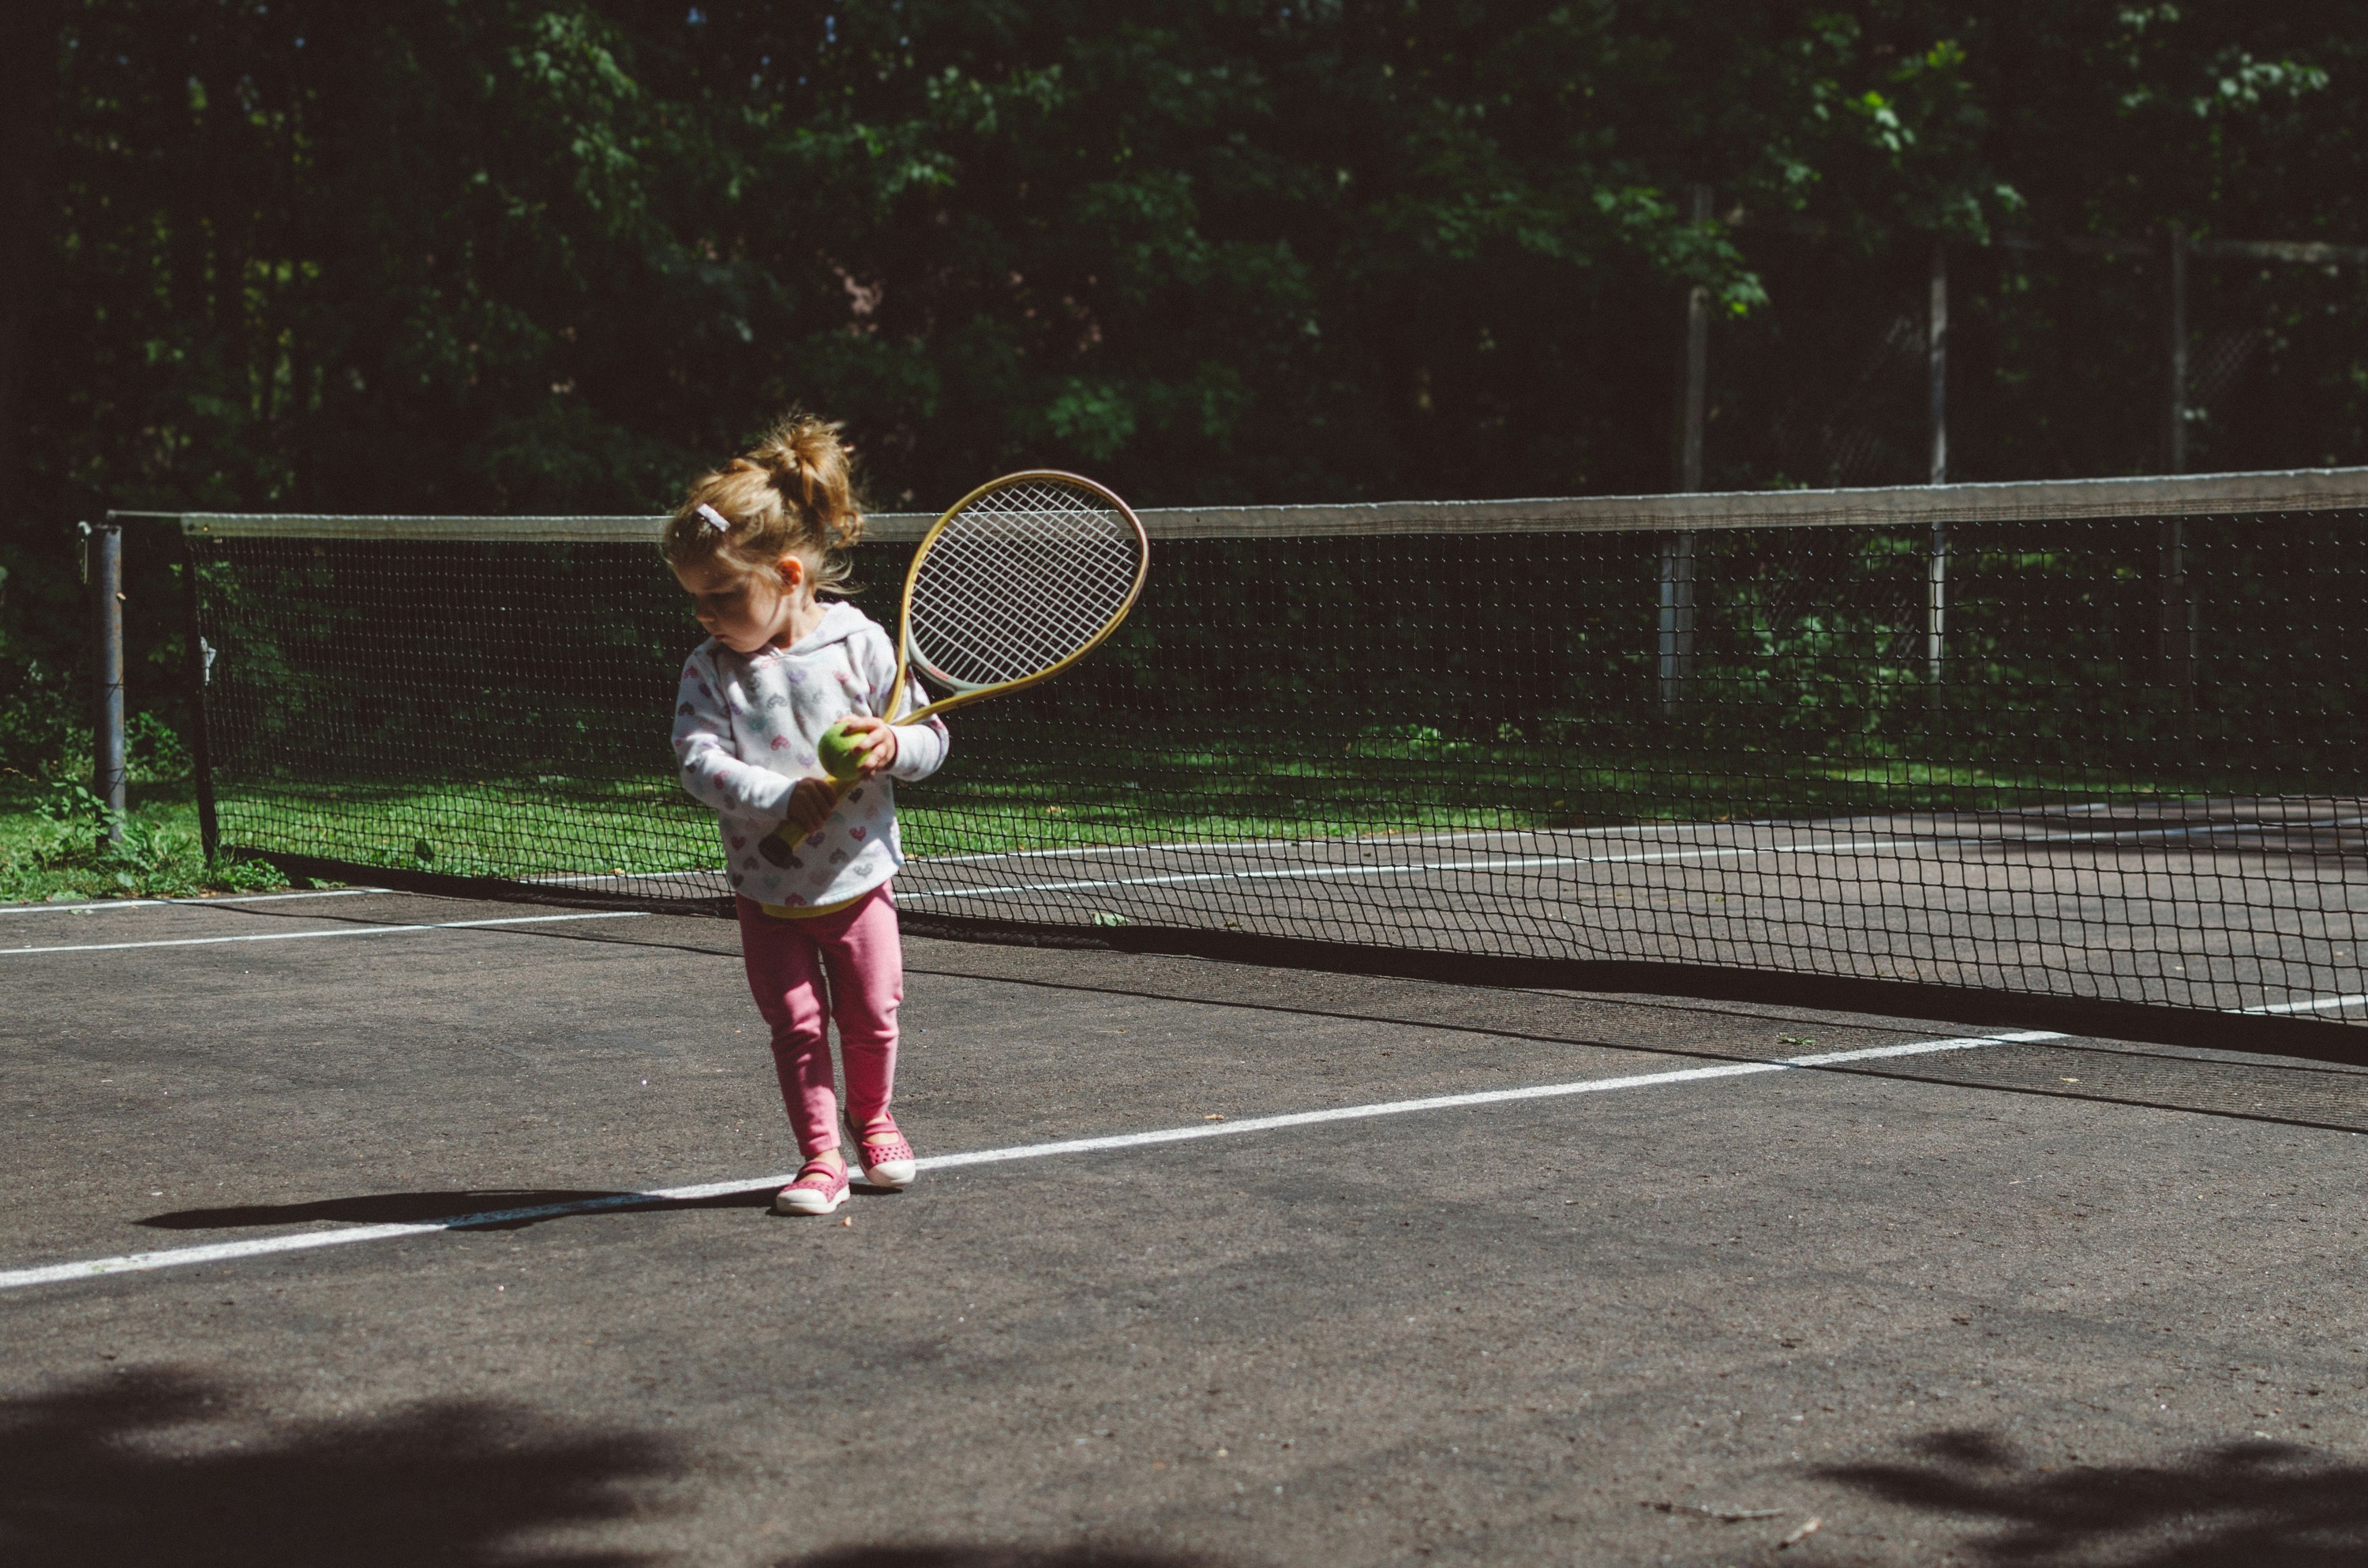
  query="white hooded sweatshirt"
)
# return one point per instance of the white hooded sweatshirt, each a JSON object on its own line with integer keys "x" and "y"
{"x": 744, "y": 729}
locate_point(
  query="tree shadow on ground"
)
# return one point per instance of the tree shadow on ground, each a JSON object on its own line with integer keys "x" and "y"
{"x": 434, "y": 1208}
{"x": 160, "y": 1466}
{"x": 2258, "y": 1504}
{"x": 960, "y": 1556}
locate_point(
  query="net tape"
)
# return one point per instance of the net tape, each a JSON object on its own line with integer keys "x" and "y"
{"x": 2283, "y": 491}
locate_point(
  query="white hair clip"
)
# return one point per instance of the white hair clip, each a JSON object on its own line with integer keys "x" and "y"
{"x": 715, "y": 519}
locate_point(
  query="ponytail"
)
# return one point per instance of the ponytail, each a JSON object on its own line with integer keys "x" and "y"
{"x": 792, "y": 493}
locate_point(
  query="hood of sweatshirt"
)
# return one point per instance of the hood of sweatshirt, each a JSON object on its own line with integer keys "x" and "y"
{"x": 840, "y": 620}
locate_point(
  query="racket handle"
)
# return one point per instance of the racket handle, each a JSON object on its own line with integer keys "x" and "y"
{"x": 790, "y": 832}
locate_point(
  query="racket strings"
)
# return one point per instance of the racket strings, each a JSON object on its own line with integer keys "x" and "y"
{"x": 1000, "y": 610}
{"x": 1018, "y": 581}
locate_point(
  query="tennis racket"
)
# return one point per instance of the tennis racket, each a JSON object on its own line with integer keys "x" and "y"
{"x": 1020, "y": 579}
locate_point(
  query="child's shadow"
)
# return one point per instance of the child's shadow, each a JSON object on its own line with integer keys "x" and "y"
{"x": 959, "y": 1556}
{"x": 505, "y": 1209}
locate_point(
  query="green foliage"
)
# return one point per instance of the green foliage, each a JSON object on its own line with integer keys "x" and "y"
{"x": 523, "y": 256}
{"x": 512, "y": 257}
{"x": 37, "y": 735}
{"x": 54, "y": 845}
{"x": 155, "y": 754}
{"x": 68, "y": 805}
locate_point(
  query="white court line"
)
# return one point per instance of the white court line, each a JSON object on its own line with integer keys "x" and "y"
{"x": 333, "y": 931}
{"x": 586, "y": 878}
{"x": 1205, "y": 846}
{"x": 1631, "y": 831}
{"x": 307, "y": 1241}
{"x": 1421, "y": 868}
{"x": 1385, "y": 869}
{"x": 1644, "y": 833}
{"x": 113, "y": 903}
{"x": 1408, "y": 867}
{"x": 1231, "y": 846}
{"x": 2316, "y": 1005}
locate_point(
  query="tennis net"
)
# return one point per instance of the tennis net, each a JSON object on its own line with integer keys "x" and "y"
{"x": 2100, "y": 740}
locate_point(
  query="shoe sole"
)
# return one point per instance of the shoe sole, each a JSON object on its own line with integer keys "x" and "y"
{"x": 808, "y": 1201}
{"x": 891, "y": 1173}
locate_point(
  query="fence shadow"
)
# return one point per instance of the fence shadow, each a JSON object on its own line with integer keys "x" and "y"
{"x": 145, "y": 1467}
{"x": 2247, "y": 1504}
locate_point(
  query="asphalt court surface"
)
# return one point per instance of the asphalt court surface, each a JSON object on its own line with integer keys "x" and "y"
{"x": 2221, "y": 904}
{"x": 2040, "y": 1300}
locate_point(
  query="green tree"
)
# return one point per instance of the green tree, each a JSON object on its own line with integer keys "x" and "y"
{"x": 502, "y": 257}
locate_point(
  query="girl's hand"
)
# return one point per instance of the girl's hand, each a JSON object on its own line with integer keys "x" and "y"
{"x": 877, "y": 741}
{"x": 811, "y": 802}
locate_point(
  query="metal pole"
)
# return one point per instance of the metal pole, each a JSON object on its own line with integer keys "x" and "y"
{"x": 107, "y": 669}
{"x": 1936, "y": 560}
{"x": 198, "y": 663}
{"x": 2174, "y": 433}
{"x": 1677, "y": 620}
{"x": 2176, "y": 631}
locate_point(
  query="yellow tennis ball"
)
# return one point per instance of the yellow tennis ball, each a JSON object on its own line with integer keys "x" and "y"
{"x": 842, "y": 758}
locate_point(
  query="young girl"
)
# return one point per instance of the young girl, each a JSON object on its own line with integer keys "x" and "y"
{"x": 754, "y": 542}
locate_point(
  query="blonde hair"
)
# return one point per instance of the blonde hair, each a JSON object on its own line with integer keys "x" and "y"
{"x": 792, "y": 493}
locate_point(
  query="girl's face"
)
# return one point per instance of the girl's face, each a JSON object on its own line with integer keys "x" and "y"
{"x": 746, "y": 610}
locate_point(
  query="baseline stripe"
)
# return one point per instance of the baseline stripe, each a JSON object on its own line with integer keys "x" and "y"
{"x": 109, "y": 906}
{"x": 1477, "y": 1097}
{"x": 333, "y": 931}
{"x": 2110, "y": 837}
{"x": 2316, "y": 1005}
{"x": 307, "y": 1241}
{"x": 1398, "y": 868}
{"x": 1662, "y": 836}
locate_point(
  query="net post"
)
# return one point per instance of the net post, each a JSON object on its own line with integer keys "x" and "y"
{"x": 2174, "y": 425}
{"x": 2176, "y": 635}
{"x": 104, "y": 543}
{"x": 1936, "y": 559}
{"x": 197, "y": 664}
{"x": 1677, "y": 594}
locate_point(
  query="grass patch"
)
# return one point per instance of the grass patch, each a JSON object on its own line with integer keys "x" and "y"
{"x": 544, "y": 827}
{"x": 559, "y": 825}
{"x": 51, "y": 847}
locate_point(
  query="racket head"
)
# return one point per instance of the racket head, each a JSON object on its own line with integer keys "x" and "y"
{"x": 1020, "y": 579}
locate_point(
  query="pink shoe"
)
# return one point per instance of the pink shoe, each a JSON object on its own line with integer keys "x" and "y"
{"x": 887, "y": 1159}
{"x": 820, "y": 1187}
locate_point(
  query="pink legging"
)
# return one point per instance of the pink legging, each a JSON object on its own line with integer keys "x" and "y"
{"x": 848, "y": 964}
